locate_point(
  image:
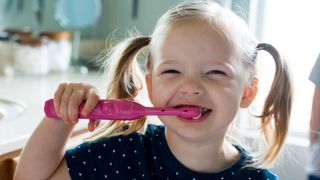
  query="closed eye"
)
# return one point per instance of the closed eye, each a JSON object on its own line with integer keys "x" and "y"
{"x": 216, "y": 72}
{"x": 170, "y": 71}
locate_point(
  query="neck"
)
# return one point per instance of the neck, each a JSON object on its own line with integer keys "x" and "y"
{"x": 205, "y": 157}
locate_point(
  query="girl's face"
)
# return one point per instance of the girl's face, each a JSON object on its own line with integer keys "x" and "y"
{"x": 195, "y": 68}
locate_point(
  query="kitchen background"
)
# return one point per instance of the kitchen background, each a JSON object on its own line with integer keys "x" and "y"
{"x": 24, "y": 84}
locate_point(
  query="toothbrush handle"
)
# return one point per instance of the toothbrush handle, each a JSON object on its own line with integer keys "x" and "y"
{"x": 105, "y": 109}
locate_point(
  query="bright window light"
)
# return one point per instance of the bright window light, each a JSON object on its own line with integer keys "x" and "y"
{"x": 293, "y": 28}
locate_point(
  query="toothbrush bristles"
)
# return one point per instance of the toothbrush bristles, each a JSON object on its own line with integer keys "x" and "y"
{"x": 197, "y": 117}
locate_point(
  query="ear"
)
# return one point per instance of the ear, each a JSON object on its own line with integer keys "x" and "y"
{"x": 249, "y": 94}
{"x": 149, "y": 85}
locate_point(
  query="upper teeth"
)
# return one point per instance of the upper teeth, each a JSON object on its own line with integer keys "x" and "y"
{"x": 204, "y": 110}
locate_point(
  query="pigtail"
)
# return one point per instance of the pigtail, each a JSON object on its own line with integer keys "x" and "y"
{"x": 123, "y": 72}
{"x": 277, "y": 107}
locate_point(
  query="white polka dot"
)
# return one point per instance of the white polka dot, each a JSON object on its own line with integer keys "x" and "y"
{"x": 130, "y": 139}
{"x": 129, "y": 167}
{"x": 232, "y": 173}
{"x": 222, "y": 178}
{"x": 142, "y": 175}
{"x": 154, "y": 157}
{"x": 119, "y": 139}
{"x": 258, "y": 171}
{"x": 160, "y": 143}
{"x": 80, "y": 174}
{"x": 110, "y": 163}
{"x": 134, "y": 179}
{"x": 193, "y": 178}
{"x": 94, "y": 169}
{"x": 177, "y": 173}
{"x": 123, "y": 155}
{"x": 161, "y": 167}
{"x": 117, "y": 172}
{"x": 68, "y": 169}
{"x": 157, "y": 134}
{"x": 84, "y": 162}
{"x": 249, "y": 178}
{"x": 150, "y": 139}
{"x": 73, "y": 157}
{"x": 135, "y": 151}
{"x": 113, "y": 150}
{"x": 105, "y": 176}
{"x": 99, "y": 157}
{"x": 79, "y": 147}
{"x": 89, "y": 150}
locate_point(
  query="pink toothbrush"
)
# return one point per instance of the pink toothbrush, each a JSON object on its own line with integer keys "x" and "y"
{"x": 126, "y": 110}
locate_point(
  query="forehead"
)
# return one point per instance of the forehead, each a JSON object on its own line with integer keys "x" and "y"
{"x": 192, "y": 39}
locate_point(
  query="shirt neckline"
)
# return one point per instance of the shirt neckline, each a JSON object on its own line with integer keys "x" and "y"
{"x": 174, "y": 163}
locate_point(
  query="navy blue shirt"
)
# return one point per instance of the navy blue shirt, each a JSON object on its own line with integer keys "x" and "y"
{"x": 146, "y": 156}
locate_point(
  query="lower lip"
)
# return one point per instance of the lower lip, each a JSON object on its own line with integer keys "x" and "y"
{"x": 202, "y": 118}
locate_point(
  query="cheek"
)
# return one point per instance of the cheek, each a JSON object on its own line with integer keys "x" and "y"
{"x": 162, "y": 91}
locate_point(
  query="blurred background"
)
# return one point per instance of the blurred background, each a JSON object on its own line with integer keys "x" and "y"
{"x": 45, "y": 42}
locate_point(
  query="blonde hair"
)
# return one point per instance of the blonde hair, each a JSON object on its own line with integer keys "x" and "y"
{"x": 125, "y": 81}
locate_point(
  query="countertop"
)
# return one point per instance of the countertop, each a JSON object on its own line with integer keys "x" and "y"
{"x": 32, "y": 91}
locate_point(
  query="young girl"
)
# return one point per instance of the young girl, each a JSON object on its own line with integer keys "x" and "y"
{"x": 199, "y": 55}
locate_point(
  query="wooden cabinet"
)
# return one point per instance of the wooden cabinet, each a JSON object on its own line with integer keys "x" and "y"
{"x": 8, "y": 163}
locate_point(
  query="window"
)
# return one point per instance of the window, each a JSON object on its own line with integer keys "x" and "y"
{"x": 293, "y": 28}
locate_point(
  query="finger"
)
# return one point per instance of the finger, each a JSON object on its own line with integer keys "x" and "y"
{"x": 92, "y": 98}
{"x": 91, "y": 125}
{"x": 57, "y": 97}
{"x": 75, "y": 101}
{"x": 64, "y": 103}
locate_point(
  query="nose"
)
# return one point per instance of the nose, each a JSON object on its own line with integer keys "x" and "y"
{"x": 191, "y": 87}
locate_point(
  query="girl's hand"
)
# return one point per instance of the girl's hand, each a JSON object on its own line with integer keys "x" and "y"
{"x": 68, "y": 98}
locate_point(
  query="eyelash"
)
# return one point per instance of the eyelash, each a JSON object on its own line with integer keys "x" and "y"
{"x": 216, "y": 72}
{"x": 212, "y": 72}
{"x": 170, "y": 71}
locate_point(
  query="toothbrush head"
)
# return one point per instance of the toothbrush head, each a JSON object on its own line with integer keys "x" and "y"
{"x": 190, "y": 113}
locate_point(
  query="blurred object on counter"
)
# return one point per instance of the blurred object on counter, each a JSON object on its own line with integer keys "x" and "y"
{"x": 59, "y": 50}
{"x": 6, "y": 54}
{"x": 31, "y": 56}
{"x": 19, "y": 32}
{"x": 7, "y": 36}
{"x": 75, "y": 15}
